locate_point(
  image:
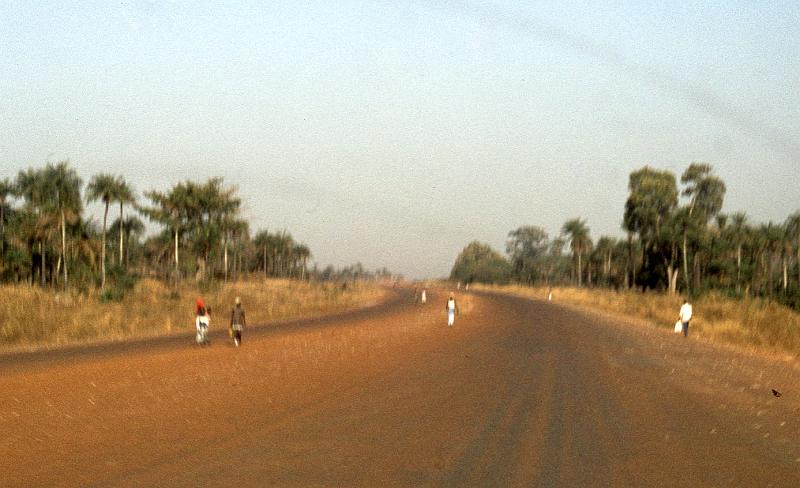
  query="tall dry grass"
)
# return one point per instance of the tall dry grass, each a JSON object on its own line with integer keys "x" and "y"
{"x": 750, "y": 322}
{"x": 31, "y": 316}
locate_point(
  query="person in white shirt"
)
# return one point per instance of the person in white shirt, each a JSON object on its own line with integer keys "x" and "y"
{"x": 202, "y": 321}
{"x": 452, "y": 309}
{"x": 685, "y": 315}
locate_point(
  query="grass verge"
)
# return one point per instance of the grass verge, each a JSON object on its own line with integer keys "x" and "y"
{"x": 753, "y": 323}
{"x": 32, "y": 316}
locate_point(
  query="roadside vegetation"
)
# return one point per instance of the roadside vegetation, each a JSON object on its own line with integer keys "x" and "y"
{"x": 743, "y": 277}
{"x": 677, "y": 242}
{"x": 752, "y": 323}
{"x": 31, "y": 316}
{"x": 66, "y": 277}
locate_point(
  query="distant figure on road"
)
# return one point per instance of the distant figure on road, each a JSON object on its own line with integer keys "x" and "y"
{"x": 685, "y": 316}
{"x": 424, "y": 297}
{"x": 201, "y": 322}
{"x": 452, "y": 309}
{"x": 238, "y": 321}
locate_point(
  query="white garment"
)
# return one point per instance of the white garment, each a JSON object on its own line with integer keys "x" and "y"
{"x": 202, "y": 320}
{"x": 424, "y": 297}
{"x": 451, "y": 317}
{"x": 686, "y": 313}
{"x": 451, "y": 304}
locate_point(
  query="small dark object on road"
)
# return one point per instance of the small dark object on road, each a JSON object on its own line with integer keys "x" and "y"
{"x": 776, "y": 392}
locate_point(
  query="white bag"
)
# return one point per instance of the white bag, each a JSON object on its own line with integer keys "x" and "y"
{"x": 678, "y": 327}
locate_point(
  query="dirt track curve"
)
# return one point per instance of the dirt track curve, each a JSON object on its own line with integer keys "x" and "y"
{"x": 518, "y": 393}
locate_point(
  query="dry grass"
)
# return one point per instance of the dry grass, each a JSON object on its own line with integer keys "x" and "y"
{"x": 31, "y": 316}
{"x": 751, "y": 322}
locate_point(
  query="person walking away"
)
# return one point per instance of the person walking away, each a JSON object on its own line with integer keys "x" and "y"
{"x": 238, "y": 321}
{"x": 424, "y": 296}
{"x": 452, "y": 309}
{"x": 685, "y": 315}
{"x": 202, "y": 321}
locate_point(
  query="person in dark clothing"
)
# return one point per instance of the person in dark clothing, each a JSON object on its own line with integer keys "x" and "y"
{"x": 238, "y": 321}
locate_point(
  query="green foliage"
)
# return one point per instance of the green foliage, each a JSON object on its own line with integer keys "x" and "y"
{"x": 478, "y": 262}
{"x": 527, "y": 248}
{"x": 120, "y": 283}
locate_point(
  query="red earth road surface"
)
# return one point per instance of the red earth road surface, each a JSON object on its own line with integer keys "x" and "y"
{"x": 517, "y": 393}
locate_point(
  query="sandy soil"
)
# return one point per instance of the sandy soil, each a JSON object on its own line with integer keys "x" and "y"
{"x": 518, "y": 393}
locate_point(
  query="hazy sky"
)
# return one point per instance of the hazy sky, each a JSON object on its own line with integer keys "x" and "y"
{"x": 393, "y": 133}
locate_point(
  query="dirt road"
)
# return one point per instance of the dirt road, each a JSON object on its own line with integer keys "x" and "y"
{"x": 517, "y": 393}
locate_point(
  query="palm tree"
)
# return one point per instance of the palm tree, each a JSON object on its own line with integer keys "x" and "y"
{"x": 168, "y": 212}
{"x": 103, "y": 187}
{"x": 123, "y": 194}
{"x": 233, "y": 230}
{"x": 793, "y": 229}
{"x": 67, "y": 186}
{"x": 738, "y": 230}
{"x": 579, "y": 242}
{"x": 132, "y": 228}
{"x": 6, "y": 191}
{"x": 605, "y": 249}
{"x": 301, "y": 253}
{"x": 706, "y": 193}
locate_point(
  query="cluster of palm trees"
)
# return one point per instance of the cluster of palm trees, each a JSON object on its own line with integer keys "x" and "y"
{"x": 673, "y": 244}
{"x": 46, "y": 239}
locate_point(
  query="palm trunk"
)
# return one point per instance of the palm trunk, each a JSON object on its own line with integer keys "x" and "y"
{"x": 42, "y": 275}
{"x": 686, "y": 264}
{"x": 64, "y": 246}
{"x": 672, "y": 279}
{"x": 225, "y": 258}
{"x": 785, "y": 273}
{"x": 177, "y": 268}
{"x": 631, "y": 263}
{"x": 120, "y": 234}
{"x": 103, "y": 252}
{"x": 579, "y": 270}
{"x": 739, "y": 268}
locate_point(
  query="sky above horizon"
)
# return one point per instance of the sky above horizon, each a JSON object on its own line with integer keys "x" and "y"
{"x": 394, "y": 133}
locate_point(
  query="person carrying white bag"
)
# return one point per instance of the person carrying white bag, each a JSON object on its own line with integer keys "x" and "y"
{"x": 684, "y": 316}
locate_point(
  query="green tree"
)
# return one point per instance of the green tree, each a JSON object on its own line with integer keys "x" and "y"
{"x": 604, "y": 250}
{"x": 793, "y": 231}
{"x": 53, "y": 197}
{"x": 527, "y": 247}
{"x": 738, "y": 232}
{"x": 706, "y": 193}
{"x": 103, "y": 187}
{"x": 124, "y": 195}
{"x": 168, "y": 210}
{"x": 650, "y": 205}
{"x": 579, "y": 243}
{"x": 479, "y": 262}
{"x": 132, "y": 230}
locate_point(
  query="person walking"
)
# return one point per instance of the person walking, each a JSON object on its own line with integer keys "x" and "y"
{"x": 238, "y": 321}
{"x": 452, "y": 309}
{"x": 424, "y": 296}
{"x": 202, "y": 321}
{"x": 685, "y": 315}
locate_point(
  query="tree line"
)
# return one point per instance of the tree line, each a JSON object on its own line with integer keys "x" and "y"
{"x": 677, "y": 240}
{"x": 45, "y": 238}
